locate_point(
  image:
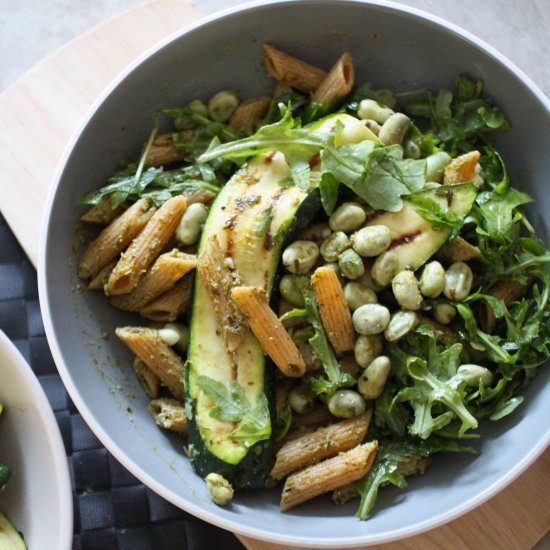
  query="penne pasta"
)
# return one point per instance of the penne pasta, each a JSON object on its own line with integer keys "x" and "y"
{"x": 269, "y": 331}
{"x": 163, "y": 361}
{"x": 334, "y": 310}
{"x": 459, "y": 250}
{"x": 149, "y": 381}
{"x": 248, "y": 113}
{"x": 100, "y": 280}
{"x": 326, "y": 476}
{"x": 321, "y": 444}
{"x": 115, "y": 238}
{"x": 292, "y": 71}
{"x": 338, "y": 82}
{"x": 318, "y": 416}
{"x": 200, "y": 195}
{"x": 102, "y": 213}
{"x": 461, "y": 169}
{"x": 170, "y": 305}
{"x": 507, "y": 291}
{"x": 169, "y": 414}
{"x": 163, "y": 151}
{"x": 161, "y": 277}
{"x": 146, "y": 247}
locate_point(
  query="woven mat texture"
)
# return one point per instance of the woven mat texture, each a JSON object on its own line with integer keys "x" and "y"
{"x": 112, "y": 509}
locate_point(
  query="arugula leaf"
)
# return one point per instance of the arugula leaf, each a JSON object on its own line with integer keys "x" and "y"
{"x": 232, "y": 405}
{"x": 388, "y": 176}
{"x": 459, "y": 120}
{"x": 389, "y": 456}
{"x": 328, "y": 188}
{"x": 335, "y": 377}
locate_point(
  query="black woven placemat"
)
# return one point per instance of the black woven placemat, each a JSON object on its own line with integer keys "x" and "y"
{"x": 112, "y": 509}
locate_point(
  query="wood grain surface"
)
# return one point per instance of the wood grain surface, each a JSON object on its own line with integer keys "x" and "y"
{"x": 40, "y": 112}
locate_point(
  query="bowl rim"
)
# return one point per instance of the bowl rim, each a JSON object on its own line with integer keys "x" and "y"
{"x": 41, "y": 406}
{"x": 144, "y": 476}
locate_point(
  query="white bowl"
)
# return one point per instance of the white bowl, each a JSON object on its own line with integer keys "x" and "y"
{"x": 38, "y": 498}
{"x": 393, "y": 46}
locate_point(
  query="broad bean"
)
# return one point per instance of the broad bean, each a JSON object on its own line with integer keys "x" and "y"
{"x": 406, "y": 291}
{"x": 371, "y": 319}
{"x": 300, "y": 256}
{"x": 371, "y": 383}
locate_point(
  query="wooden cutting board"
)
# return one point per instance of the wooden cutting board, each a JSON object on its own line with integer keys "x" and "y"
{"x": 39, "y": 113}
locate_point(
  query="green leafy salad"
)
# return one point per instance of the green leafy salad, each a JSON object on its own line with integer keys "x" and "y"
{"x": 362, "y": 261}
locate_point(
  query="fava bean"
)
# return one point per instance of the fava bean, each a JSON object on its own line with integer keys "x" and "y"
{"x": 411, "y": 150}
{"x": 190, "y": 226}
{"x": 197, "y": 106}
{"x": 367, "y": 348}
{"x": 406, "y": 291}
{"x": 474, "y": 374}
{"x": 444, "y": 313}
{"x": 289, "y": 290}
{"x": 371, "y": 383}
{"x": 400, "y": 324}
{"x": 300, "y": 256}
{"x": 432, "y": 281}
{"x": 334, "y": 245}
{"x": 351, "y": 264}
{"x": 221, "y": 491}
{"x": 371, "y": 240}
{"x": 371, "y": 319}
{"x": 435, "y": 166}
{"x": 384, "y": 267}
{"x": 222, "y": 105}
{"x": 357, "y": 295}
{"x": 347, "y": 217}
{"x": 346, "y": 404}
{"x": 370, "y": 109}
{"x": 394, "y": 129}
{"x": 316, "y": 233}
{"x": 458, "y": 281}
{"x": 301, "y": 399}
{"x": 373, "y": 126}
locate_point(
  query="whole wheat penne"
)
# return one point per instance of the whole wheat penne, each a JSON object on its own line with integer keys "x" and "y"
{"x": 443, "y": 333}
{"x": 416, "y": 465}
{"x": 281, "y": 88}
{"x": 158, "y": 356}
{"x": 338, "y": 82}
{"x": 205, "y": 196}
{"x": 161, "y": 277}
{"x": 334, "y": 310}
{"x": 146, "y": 247}
{"x": 149, "y": 381}
{"x": 170, "y": 305}
{"x": 248, "y": 113}
{"x": 115, "y": 238}
{"x": 100, "y": 280}
{"x": 318, "y": 416}
{"x": 461, "y": 169}
{"x": 291, "y": 70}
{"x": 321, "y": 444}
{"x": 459, "y": 250}
{"x": 169, "y": 414}
{"x": 507, "y": 291}
{"x": 313, "y": 363}
{"x": 269, "y": 331}
{"x": 163, "y": 151}
{"x": 102, "y": 213}
{"x": 326, "y": 476}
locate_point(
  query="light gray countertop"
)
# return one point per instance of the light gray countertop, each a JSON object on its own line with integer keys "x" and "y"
{"x": 30, "y": 29}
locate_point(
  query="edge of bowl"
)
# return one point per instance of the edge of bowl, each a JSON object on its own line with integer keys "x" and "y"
{"x": 53, "y": 436}
{"x": 144, "y": 476}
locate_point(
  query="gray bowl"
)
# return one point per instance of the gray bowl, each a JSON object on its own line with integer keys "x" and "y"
{"x": 392, "y": 46}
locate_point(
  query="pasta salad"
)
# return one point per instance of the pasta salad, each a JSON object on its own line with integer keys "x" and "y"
{"x": 336, "y": 282}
